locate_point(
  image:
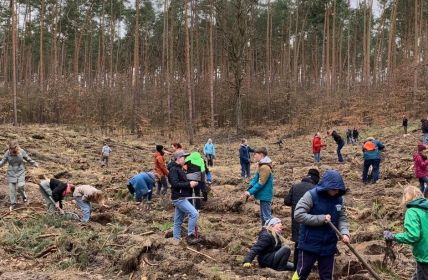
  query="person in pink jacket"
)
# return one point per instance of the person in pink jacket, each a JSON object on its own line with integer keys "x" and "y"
{"x": 420, "y": 165}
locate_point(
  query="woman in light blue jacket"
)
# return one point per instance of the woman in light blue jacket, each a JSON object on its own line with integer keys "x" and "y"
{"x": 209, "y": 152}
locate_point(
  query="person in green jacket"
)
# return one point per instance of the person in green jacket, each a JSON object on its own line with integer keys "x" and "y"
{"x": 195, "y": 171}
{"x": 416, "y": 229}
{"x": 261, "y": 186}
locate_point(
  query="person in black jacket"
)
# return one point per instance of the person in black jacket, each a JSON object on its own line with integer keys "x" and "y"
{"x": 355, "y": 135}
{"x": 340, "y": 143}
{"x": 293, "y": 196}
{"x": 424, "y": 127}
{"x": 181, "y": 190}
{"x": 405, "y": 123}
{"x": 54, "y": 191}
{"x": 270, "y": 248}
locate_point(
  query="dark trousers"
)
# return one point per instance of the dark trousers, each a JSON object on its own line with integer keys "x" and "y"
{"x": 147, "y": 197}
{"x": 295, "y": 255}
{"x": 306, "y": 262}
{"x": 210, "y": 160}
{"x": 375, "y": 164}
{"x": 339, "y": 153}
{"x": 405, "y": 129}
{"x": 423, "y": 183}
{"x": 245, "y": 169}
{"x": 280, "y": 258}
{"x": 162, "y": 185}
{"x": 421, "y": 272}
{"x": 104, "y": 160}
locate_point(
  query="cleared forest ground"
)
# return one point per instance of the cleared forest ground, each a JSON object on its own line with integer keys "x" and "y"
{"x": 126, "y": 241}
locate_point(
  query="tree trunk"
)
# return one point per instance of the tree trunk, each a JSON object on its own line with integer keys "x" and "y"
{"x": 391, "y": 38}
{"x": 41, "y": 65}
{"x": 14, "y": 50}
{"x": 188, "y": 76}
{"x": 135, "y": 69}
{"x": 416, "y": 47}
{"x": 211, "y": 72}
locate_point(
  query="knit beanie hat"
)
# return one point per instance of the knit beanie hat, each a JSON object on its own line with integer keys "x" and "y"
{"x": 272, "y": 221}
{"x": 314, "y": 174}
{"x": 159, "y": 148}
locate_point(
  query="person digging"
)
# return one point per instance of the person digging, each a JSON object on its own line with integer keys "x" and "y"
{"x": 53, "y": 192}
{"x": 315, "y": 211}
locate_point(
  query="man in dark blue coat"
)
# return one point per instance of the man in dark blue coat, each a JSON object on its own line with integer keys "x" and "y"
{"x": 317, "y": 240}
{"x": 245, "y": 158}
{"x": 292, "y": 198}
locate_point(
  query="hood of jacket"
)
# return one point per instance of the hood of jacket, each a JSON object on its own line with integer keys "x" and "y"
{"x": 196, "y": 159}
{"x": 420, "y": 203}
{"x": 331, "y": 180}
{"x": 173, "y": 164}
{"x": 417, "y": 155}
{"x": 266, "y": 161}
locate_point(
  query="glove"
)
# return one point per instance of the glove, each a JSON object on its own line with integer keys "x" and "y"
{"x": 387, "y": 235}
{"x": 247, "y": 265}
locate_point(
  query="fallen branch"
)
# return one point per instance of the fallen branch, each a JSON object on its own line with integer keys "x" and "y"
{"x": 108, "y": 238}
{"x": 47, "y": 235}
{"x": 46, "y": 251}
{"x": 147, "y": 233}
{"x": 5, "y": 214}
{"x": 147, "y": 262}
{"x": 197, "y": 252}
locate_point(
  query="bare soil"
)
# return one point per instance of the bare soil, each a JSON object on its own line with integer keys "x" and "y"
{"x": 127, "y": 241}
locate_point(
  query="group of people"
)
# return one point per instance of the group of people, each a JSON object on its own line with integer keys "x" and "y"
{"x": 317, "y": 203}
{"x": 316, "y": 207}
{"x": 53, "y": 190}
{"x": 352, "y": 136}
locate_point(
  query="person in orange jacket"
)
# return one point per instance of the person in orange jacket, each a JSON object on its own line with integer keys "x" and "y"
{"x": 160, "y": 170}
{"x": 317, "y": 145}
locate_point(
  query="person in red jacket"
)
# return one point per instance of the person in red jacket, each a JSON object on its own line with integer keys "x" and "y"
{"x": 421, "y": 165}
{"x": 317, "y": 145}
{"x": 160, "y": 170}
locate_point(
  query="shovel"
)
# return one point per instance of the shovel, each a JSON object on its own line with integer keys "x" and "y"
{"x": 363, "y": 262}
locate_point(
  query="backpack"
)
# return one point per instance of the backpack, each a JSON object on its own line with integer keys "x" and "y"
{"x": 369, "y": 146}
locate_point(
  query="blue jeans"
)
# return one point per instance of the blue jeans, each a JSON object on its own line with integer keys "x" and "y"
{"x": 425, "y": 138}
{"x": 182, "y": 208}
{"x": 245, "y": 169}
{"x": 139, "y": 196}
{"x": 317, "y": 157}
{"x": 375, "y": 164}
{"x": 86, "y": 208}
{"x": 339, "y": 154}
{"x": 265, "y": 211}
